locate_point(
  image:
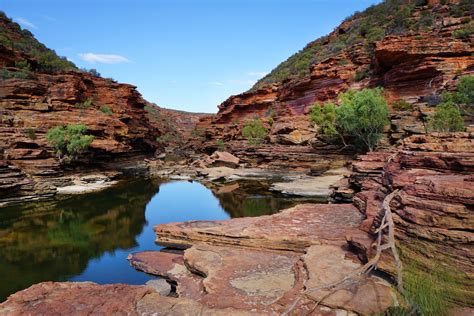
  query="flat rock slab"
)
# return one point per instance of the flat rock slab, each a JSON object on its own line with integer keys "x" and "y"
{"x": 170, "y": 266}
{"x": 327, "y": 265}
{"x": 83, "y": 188}
{"x": 75, "y": 298}
{"x": 88, "y": 298}
{"x": 245, "y": 278}
{"x": 293, "y": 229}
{"x": 311, "y": 186}
{"x": 268, "y": 282}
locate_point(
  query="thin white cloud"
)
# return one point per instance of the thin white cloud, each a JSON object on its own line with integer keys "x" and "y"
{"x": 25, "y": 23}
{"x": 104, "y": 58}
{"x": 216, "y": 83}
{"x": 257, "y": 73}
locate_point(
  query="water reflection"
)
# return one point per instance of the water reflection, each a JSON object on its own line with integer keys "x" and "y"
{"x": 55, "y": 240}
{"x": 253, "y": 198}
{"x": 88, "y": 237}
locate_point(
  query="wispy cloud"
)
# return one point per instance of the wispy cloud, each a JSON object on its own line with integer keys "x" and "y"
{"x": 25, "y": 23}
{"x": 257, "y": 73}
{"x": 104, "y": 58}
{"x": 216, "y": 83}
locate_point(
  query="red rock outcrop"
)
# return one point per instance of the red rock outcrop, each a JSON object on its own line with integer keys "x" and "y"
{"x": 433, "y": 209}
{"x": 30, "y": 107}
{"x": 265, "y": 264}
{"x": 412, "y": 67}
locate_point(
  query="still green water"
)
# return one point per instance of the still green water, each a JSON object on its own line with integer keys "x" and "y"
{"x": 88, "y": 237}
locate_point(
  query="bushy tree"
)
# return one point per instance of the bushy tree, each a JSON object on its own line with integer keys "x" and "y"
{"x": 447, "y": 118}
{"x": 254, "y": 131}
{"x": 69, "y": 141}
{"x": 463, "y": 97}
{"x": 325, "y": 117}
{"x": 363, "y": 115}
{"x": 360, "y": 118}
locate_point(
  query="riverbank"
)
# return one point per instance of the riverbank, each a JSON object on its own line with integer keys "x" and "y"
{"x": 310, "y": 258}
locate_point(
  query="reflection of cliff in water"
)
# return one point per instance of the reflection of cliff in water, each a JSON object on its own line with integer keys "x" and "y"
{"x": 56, "y": 239}
{"x": 253, "y": 198}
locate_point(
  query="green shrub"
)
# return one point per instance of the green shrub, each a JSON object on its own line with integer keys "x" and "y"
{"x": 447, "y": 118}
{"x": 254, "y": 131}
{"x": 166, "y": 138}
{"x": 7, "y": 74}
{"x": 402, "y": 105}
{"x": 375, "y": 34}
{"x": 465, "y": 90}
{"x": 69, "y": 141}
{"x": 83, "y": 105}
{"x": 106, "y": 110}
{"x": 49, "y": 62}
{"x": 325, "y": 117}
{"x": 463, "y": 97}
{"x": 23, "y": 65}
{"x": 425, "y": 21}
{"x": 464, "y": 32}
{"x": 363, "y": 115}
{"x": 31, "y": 133}
{"x": 220, "y": 145}
{"x": 361, "y": 74}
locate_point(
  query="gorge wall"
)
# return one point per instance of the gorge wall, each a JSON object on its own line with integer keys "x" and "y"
{"x": 39, "y": 91}
{"x": 414, "y": 64}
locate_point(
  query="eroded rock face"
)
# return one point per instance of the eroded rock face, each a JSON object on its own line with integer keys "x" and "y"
{"x": 433, "y": 210}
{"x": 293, "y": 229}
{"x": 411, "y": 67}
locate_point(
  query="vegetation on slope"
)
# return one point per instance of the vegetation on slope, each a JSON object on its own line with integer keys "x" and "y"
{"x": 360, "y": 118}
{"x": 15, "y": 38}
{"x": 69, "y": 141}
{"x": 391, "y": 17}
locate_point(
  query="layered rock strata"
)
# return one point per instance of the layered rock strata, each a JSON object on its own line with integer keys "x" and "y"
{"x": 414, "y": 67}
{"x": 433, "y": 209}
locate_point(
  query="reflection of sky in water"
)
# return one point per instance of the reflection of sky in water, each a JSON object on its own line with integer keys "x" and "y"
{"x": 88, "y": 237}
{"x": 175, "y": 202}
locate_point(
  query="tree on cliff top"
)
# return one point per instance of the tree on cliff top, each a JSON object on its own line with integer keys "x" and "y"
{"x": 360, "y": 118}
{"x": 69, "y": 141}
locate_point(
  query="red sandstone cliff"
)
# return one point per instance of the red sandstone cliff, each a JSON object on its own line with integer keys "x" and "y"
{"x": 413, "y": 66}
{"x": 39, "y": 91}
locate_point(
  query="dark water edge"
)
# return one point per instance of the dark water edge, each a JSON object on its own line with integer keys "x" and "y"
{"x": 88, "y": 237}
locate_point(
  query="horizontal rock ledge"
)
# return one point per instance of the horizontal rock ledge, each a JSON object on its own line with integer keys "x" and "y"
{"x": 294, "y": 229}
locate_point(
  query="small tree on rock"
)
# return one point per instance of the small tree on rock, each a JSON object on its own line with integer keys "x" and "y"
{"x": 69, "y": 141}
{"x": 361, "y": 117}
{"x": 447, "y": 118}
{"x": 254, "y": 131}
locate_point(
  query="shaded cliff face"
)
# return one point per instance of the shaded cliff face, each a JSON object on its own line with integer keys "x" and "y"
{"x": 414, "y": 64}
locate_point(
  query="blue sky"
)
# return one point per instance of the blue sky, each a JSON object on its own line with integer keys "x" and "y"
{"x": 183, "y": 54}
